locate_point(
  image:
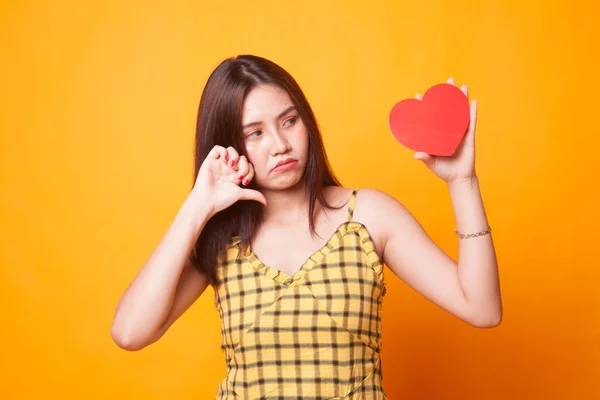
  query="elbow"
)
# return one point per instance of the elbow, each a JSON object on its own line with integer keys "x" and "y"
{"x": 126, "y": 340}
{"x": 490, "y": 320}
{"x": 486, "y": 324}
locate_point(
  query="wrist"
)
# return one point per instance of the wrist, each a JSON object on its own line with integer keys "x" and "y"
{"x": 197, "y": 208}
{"x": 467, "y": 182}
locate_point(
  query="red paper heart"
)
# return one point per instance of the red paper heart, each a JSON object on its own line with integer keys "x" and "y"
{"x": 434, "y": 125}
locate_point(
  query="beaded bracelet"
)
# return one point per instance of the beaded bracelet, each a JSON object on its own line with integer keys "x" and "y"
{"x": 471, "y": 235}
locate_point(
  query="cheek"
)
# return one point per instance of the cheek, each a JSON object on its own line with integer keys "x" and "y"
{"x": 251, "y": 149}
{"x": 302, "y": 139}
{"x": 254, "y": 155}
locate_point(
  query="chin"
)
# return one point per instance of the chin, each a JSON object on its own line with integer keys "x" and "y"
{"x": 282, "y": 183}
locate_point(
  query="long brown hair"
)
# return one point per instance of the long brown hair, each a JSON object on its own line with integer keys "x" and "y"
{"x": 220, "y": 123}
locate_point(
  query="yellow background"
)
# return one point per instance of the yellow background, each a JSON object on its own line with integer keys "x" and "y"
{"x": 97, "y": 115}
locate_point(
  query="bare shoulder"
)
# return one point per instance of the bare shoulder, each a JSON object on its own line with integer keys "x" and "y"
{"x": 380, "y": 213}
{"x": 373, "y": 207}
{"x": 374, "y": 202}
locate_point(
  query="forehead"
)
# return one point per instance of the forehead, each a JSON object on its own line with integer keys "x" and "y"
{"x": 265, "y": 101}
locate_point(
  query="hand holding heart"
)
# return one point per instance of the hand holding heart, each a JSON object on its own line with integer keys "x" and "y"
{"x": 441, "y": 128}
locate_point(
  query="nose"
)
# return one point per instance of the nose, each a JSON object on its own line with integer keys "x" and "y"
{"x": 279, "y": 143}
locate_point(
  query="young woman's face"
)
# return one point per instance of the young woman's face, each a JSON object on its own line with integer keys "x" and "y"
{"x": 273, "y": 132}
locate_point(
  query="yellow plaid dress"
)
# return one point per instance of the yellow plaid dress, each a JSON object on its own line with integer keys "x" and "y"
{"x": 313, "y": 335}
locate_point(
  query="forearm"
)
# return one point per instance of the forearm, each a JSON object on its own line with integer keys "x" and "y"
{"x": 477, "y": 264}
{"x": 147, "y": 301}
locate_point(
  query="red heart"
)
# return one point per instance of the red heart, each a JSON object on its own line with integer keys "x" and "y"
{"x": 434, "y": 125}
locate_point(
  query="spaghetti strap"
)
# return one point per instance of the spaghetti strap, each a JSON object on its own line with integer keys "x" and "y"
{"x": 351, "y": 205}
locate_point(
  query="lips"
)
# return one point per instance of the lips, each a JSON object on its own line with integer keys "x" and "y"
{"x": 284, "y": 162}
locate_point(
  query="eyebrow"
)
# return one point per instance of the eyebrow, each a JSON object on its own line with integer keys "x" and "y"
{"x": 287, "y": 110}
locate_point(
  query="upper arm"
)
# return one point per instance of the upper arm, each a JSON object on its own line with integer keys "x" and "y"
{"x": 192, "y": 283}
{"x": 411, "y": 255}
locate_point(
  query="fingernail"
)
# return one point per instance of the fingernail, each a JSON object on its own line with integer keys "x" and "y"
{"x": 226, "y": 157}
{"x": 231, "y": 163}
{"x": 240, "y": 178}
{"x": 245, "y": 182}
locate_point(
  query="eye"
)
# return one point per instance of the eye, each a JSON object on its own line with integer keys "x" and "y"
{"x": 255, "y": 132}
{"x": 293, "y": 120}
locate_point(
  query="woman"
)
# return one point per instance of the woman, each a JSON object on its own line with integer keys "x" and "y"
{"x": 296, "y": 260}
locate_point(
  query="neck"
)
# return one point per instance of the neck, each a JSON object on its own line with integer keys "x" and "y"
{"x": 286, "y": 206}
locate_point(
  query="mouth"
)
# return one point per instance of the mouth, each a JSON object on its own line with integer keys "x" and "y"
{"x": 285, "y": 164}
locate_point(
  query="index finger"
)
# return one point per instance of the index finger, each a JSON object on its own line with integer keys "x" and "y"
{"x": 217, "y": 152}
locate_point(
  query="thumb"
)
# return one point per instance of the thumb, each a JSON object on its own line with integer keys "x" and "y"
{"x": 426, "y": 158}
{"x": 251, "y": 194}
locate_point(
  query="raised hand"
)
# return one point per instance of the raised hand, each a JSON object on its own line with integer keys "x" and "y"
{"x": 461, "y": 165}
{"x": 220, "y": 176}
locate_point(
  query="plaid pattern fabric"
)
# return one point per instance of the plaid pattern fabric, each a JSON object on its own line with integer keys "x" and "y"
{"x": 313, "y": 335}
